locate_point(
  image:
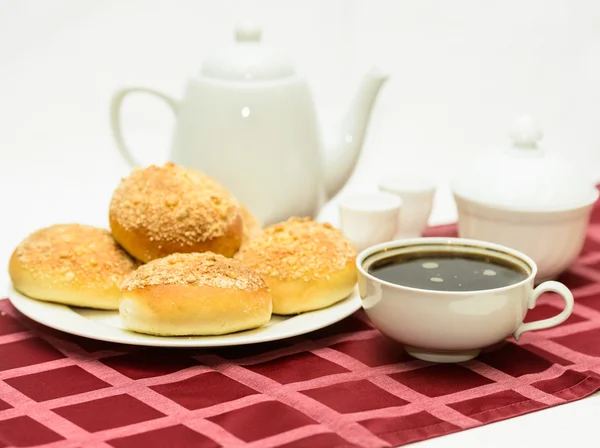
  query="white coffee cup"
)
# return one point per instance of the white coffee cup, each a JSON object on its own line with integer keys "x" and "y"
{"x": 367, "y": 219}
{"x": 453, "y": 326}
{"x": 417, "y": 201}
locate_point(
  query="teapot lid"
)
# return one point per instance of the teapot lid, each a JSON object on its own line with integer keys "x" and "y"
{"x": 524, "y": 176}
{"x": 248, "y": 59}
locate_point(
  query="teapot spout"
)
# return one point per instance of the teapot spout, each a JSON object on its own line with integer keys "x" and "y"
{"x": 341, "y": 159}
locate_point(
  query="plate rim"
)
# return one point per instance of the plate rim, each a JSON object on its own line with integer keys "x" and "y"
{"x": 24, "y": 305}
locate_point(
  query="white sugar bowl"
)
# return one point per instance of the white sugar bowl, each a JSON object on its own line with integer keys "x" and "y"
{"x": 526, "y": 198}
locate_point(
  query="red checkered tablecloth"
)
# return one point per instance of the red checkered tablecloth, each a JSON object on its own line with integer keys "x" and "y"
{"x": 343, "y": 386}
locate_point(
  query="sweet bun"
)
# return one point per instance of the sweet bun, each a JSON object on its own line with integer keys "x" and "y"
{"x": 73, "y": 264}
{"x": 308, "y": 265}
{"x": 161, "y": 210}
{"x": 194, "y": 294}
{"x": 252, "y": 225}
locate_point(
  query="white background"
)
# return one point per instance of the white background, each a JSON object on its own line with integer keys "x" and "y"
{"x": 461, "y": 72}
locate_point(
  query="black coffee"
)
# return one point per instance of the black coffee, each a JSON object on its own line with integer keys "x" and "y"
{"x": 448, "y": 271}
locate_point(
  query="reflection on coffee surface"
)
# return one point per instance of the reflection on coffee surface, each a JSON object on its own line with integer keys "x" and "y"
{"x": 448, "y": 271}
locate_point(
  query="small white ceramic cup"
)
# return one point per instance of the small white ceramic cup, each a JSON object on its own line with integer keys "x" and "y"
{"x": 417, "y": 201}
{"x": 367, "y": 219}
{"x": 453, "y": 326}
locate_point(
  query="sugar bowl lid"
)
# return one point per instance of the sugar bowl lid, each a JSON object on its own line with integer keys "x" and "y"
{"x": 524, "y": 176}
{"x": 247, "y": 59}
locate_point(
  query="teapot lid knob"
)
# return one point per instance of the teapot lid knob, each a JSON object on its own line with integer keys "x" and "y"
{"x": 526, "y": 133}
{"x": 247, "y": 32}
{"x": 247, "y": 59}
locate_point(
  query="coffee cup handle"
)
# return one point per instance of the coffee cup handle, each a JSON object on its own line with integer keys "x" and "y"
{"x": 550, "y": 286}
{"x": 115, "y": 118}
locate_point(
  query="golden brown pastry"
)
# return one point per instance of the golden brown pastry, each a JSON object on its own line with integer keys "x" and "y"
{"x": 251, "y": 223}
{"x": 308, "y": 265}
{"x": 194, "y": 294}
{"x": 161, "y": 210}
{"x": 72, "y": 264}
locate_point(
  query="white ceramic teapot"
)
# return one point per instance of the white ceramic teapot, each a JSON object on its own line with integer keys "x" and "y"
{"x": 248, "y": 120}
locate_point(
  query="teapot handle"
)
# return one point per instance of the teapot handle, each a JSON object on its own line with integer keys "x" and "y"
{"x": 115, "y": 117}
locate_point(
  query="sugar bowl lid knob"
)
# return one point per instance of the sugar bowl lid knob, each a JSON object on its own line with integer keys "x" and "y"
{"x": 248, "y": 31}
{"x": 526, "y": 133}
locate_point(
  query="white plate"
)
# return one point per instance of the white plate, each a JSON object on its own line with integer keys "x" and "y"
{"x": 106, "y": 325}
